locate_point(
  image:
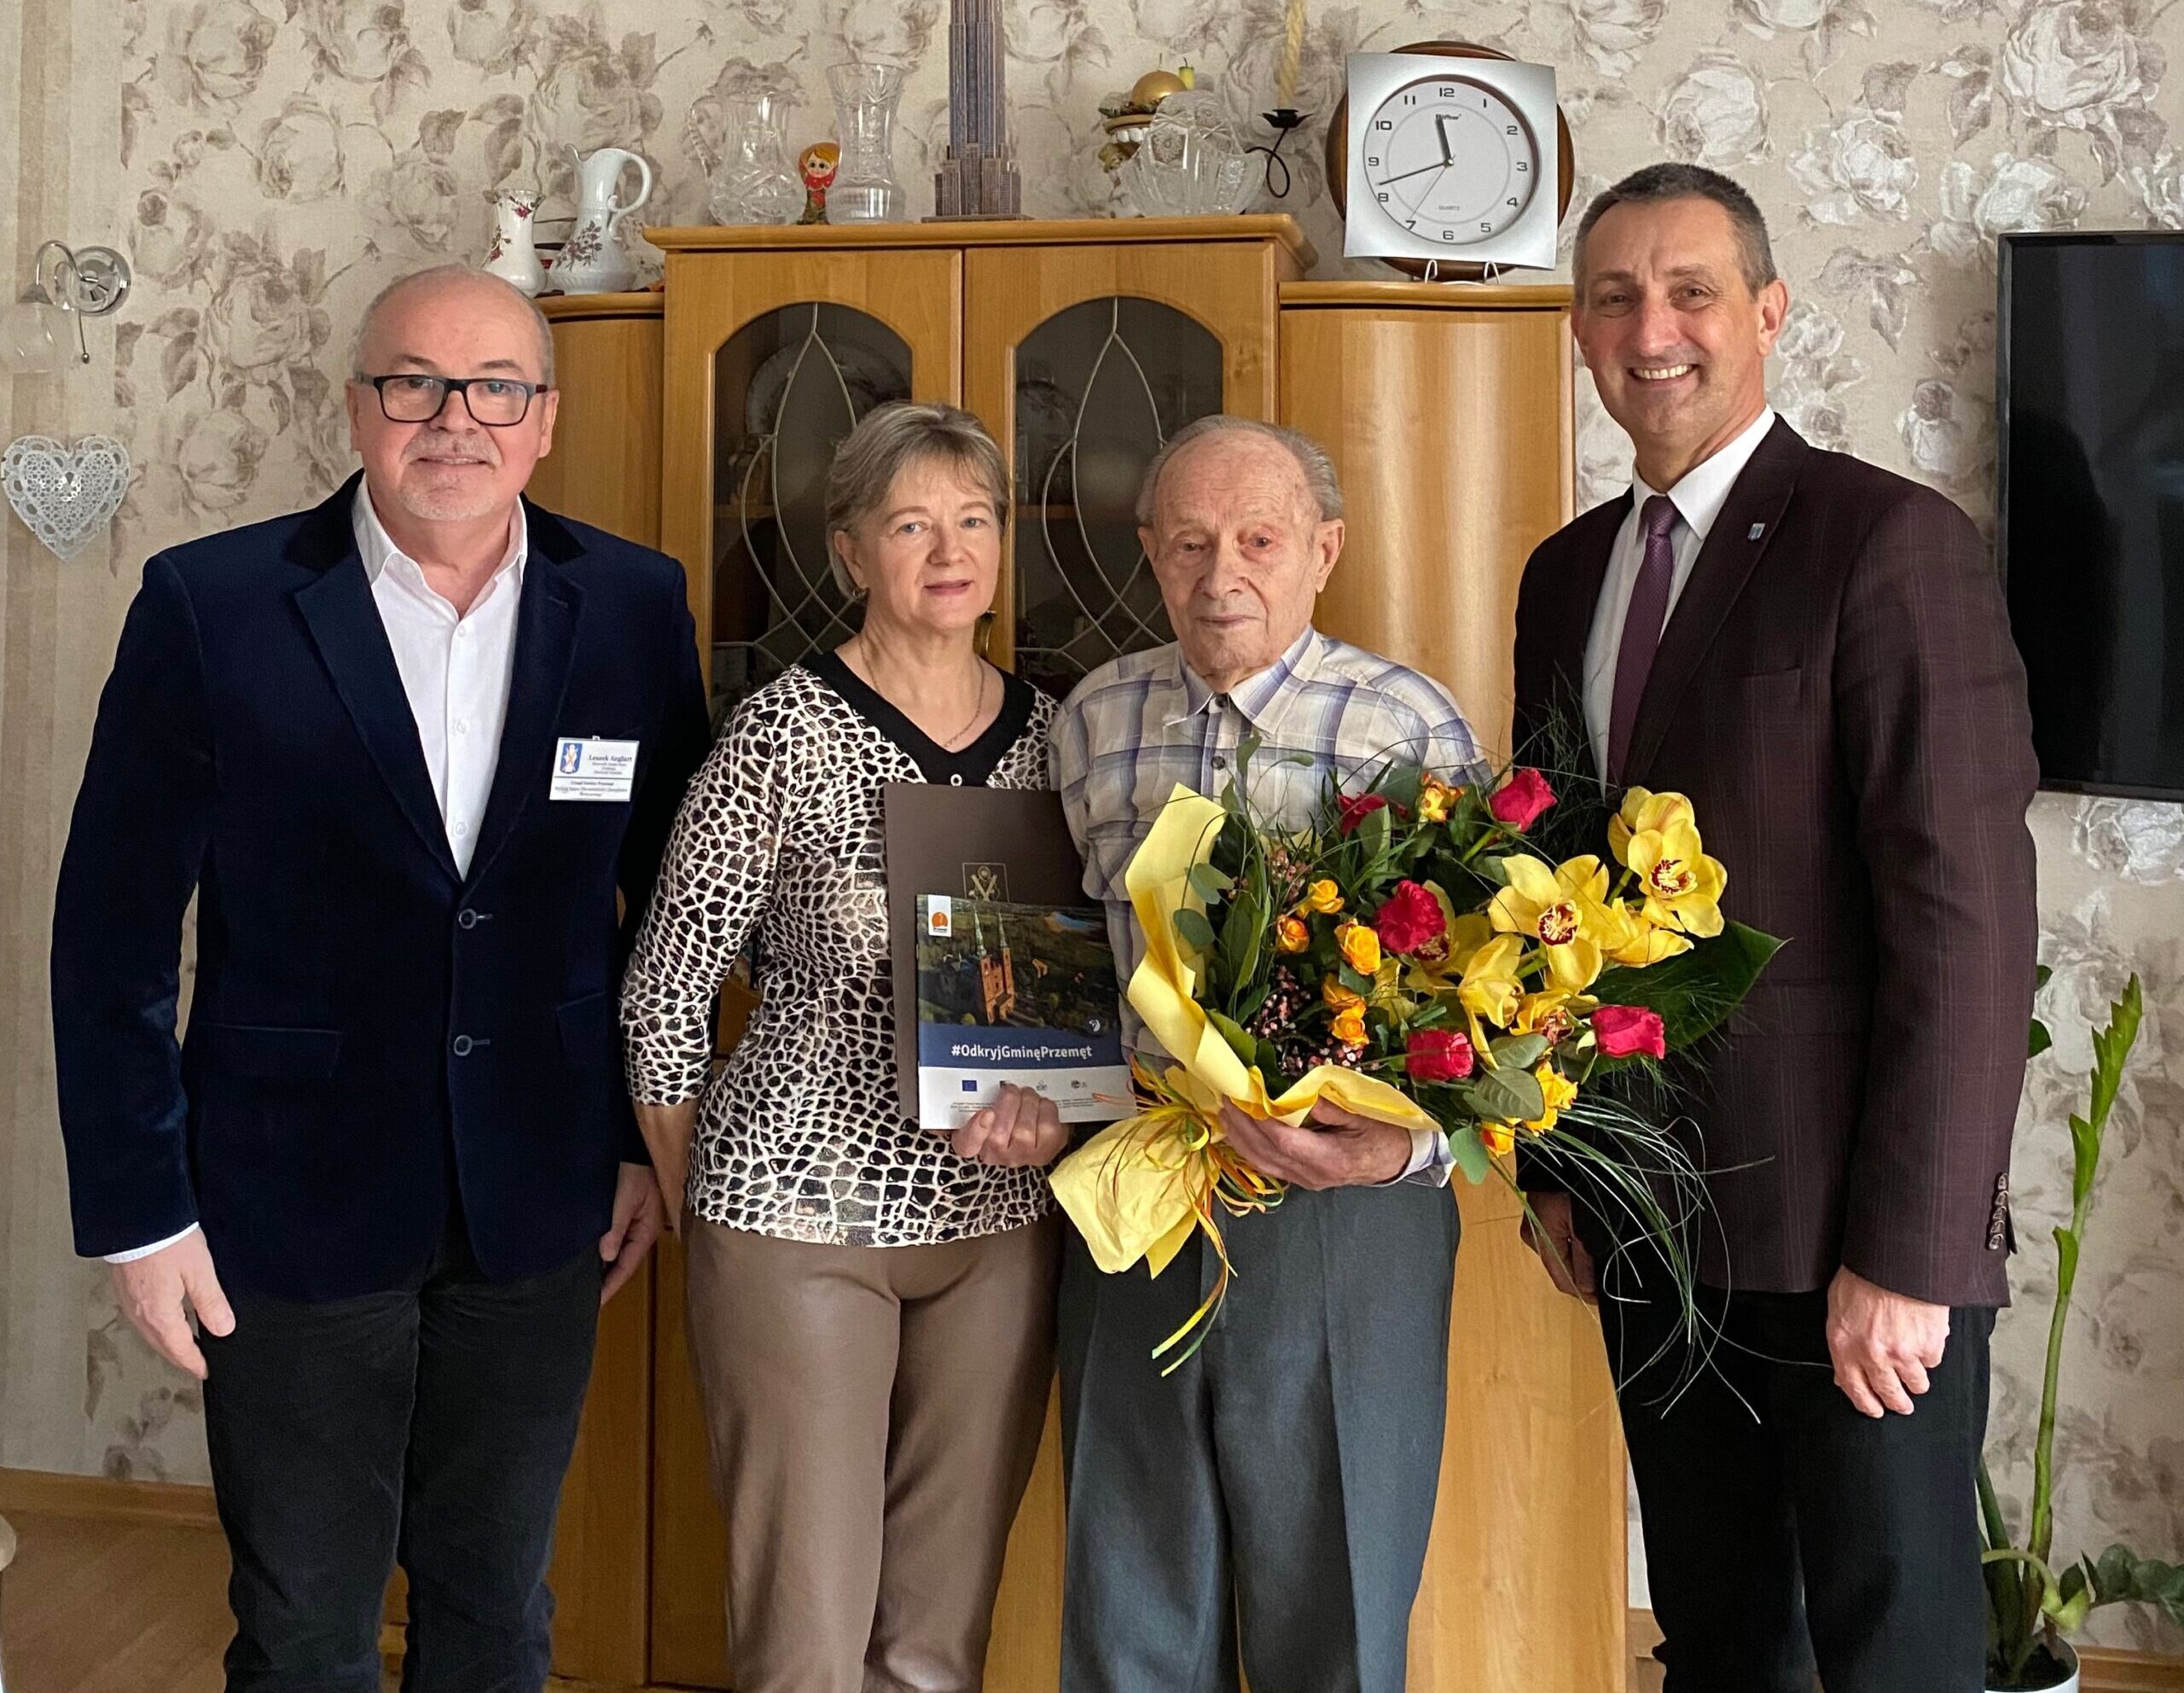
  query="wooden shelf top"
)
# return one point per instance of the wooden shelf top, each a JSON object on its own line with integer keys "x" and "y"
{"x": 1431, "y": 296}
{"x": 647, "y": 304}
{"x": 997, "y": 232}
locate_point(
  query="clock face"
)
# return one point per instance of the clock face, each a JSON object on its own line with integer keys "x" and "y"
{"x": 1449, "y": 161}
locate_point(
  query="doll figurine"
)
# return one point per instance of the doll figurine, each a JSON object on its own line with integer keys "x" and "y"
{"x": 818, "y": 163}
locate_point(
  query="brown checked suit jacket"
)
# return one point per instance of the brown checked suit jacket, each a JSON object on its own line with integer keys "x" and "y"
{"x": 1837, "y": 694}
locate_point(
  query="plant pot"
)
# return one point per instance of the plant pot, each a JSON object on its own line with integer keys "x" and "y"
{"x": 2062, "y": 1675}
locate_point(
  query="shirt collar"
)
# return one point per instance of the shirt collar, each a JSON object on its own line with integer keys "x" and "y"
{"x": 1704, "y": 490}
{"x": 378, "y": 550}
{"x": 1260, "y": 697}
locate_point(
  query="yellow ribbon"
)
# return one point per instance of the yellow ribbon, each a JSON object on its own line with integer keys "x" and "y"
{"x": 1139, "y": 1189}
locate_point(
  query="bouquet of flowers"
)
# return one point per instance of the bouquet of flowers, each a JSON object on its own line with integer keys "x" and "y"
{"x": 1417, "y": 953}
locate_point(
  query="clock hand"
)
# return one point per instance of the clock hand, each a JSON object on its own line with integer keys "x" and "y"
{"x": 1406, "y": 175}
{"x": 1441, "y": 134}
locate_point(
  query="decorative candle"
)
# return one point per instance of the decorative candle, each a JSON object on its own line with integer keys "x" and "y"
{"x": 1293, "y": 50}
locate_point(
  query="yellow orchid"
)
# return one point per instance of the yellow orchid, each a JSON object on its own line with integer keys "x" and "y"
{"x": 1323, "y": 896}
{"x": 1491, "y": 987}
{"x": 1656, "y": 835}
{"x": 1565, "y": 910}
{"x": 1551, "y": 1012}
{"x": 1558, "y": 1090}
{"x": 1291, "y": 935}
{"x": 1647, "y": 944}
{"x": 1349, "y": 1026}
{"x": 1361, "y": 947}
{"x": 1435, "y": 798}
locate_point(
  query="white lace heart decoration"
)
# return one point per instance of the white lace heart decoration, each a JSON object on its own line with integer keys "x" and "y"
{"x": 65, "y": 495}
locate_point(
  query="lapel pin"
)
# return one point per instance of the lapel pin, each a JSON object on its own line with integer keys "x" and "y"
{"x": 1756, "y": 531}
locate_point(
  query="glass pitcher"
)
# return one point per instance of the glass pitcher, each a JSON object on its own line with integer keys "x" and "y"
{"x": 755, "y": 182}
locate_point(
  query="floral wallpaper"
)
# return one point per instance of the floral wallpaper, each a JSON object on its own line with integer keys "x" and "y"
{"x": 275, "y": 161}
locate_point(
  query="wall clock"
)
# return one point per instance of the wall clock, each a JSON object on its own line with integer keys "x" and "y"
{"x": 1451, "y": 155}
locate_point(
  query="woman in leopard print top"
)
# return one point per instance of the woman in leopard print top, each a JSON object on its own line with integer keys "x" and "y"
{"x": 870, "y": 1303}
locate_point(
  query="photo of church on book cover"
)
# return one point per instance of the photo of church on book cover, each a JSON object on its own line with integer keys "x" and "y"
{"x": 1017, "y": 993}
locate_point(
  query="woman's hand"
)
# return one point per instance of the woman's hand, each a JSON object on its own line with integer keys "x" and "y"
{"x": 1020, "y": 1128}
{"x": 667, "y": 1130}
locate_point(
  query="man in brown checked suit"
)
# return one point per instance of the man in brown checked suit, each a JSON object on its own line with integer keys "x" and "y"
{"x": 1816, "y": 652}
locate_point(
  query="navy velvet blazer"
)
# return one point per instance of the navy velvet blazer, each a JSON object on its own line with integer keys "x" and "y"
{"x": 367, "y": 1027}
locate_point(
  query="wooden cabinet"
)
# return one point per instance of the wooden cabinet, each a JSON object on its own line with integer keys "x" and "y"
{"x": 1081, "y": 346}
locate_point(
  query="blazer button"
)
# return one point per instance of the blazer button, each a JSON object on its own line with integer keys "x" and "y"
{"x": 463, "y": 1046}
{"x": 465, "y": 918}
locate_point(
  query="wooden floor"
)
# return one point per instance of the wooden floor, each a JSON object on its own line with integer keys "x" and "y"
{"x": 110, "y": 1607}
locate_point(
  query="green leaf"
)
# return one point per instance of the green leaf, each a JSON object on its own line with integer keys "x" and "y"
{"x": 1208, "y": 884}
{"x": 1695, "y": 991}
{"x": 2122, "y": 1577}
{"x": 1350, "y": 979}
{"x": 1374, "y": 833}
{"x": 1519, "y": 1050}
{"x": 1268, "y": 1061}
{"x": 1506, "y": 1096}
{"x": 1471, "y": 1155}
{"x": 2040, "y": 974}
{"x": 1196, "y": 932}
{"x": 2085, "y": 1157}
{"x": 2040, "y": 1039}
{"x": 1245, "y": 1043}
{"x": 2066, "y": 1253}
{"x": 1246, "y": 750}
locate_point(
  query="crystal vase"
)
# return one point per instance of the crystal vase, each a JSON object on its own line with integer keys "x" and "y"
{"x": 755, "y": 182}
{"x": 864, "y": 189}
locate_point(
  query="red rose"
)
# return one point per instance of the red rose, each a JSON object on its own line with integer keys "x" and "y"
{"x": 1354, "y": 809}
{"x": 1438, "y": 1055}
{"x": 1626, "y": 1030}
{"x": 1520, "y": 801}
{"x": 1411, "y": 919}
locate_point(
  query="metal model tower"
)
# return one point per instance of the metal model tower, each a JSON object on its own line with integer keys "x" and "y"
{"x": 976, "y": 176}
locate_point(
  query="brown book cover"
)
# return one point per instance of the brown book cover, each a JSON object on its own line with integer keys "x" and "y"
{"x": 990, "y": 847}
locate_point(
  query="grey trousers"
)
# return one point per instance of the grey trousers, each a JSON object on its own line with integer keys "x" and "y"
{"x": 1274, "y": 1494}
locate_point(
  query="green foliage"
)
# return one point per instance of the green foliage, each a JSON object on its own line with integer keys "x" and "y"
{"x": 2030, "y": 1607}
{"x": 1696, "y": 990}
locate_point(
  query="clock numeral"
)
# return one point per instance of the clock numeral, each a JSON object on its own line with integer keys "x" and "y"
{"x": 1382, "y": 196}
{"x": 1410, "y": 99}
{"x": 1447, "y": 235}
{"x": 1511, "y": 129}
{"x": 1522, "y": 166}
{"x": 1486, "y": 228}
{"x": 1512, "y": 200}
{"x": 1446, "y": 93}
{"x": 1384, "y": 123}
{"x": 1372, "y": 159}
{"x": 1410, "y": 222}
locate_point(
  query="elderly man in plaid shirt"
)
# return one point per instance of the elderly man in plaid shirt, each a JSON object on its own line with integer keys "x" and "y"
{"x": 1271, "y": 1499}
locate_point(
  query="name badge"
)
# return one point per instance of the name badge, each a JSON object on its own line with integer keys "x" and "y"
{"x": 593, "y": 769}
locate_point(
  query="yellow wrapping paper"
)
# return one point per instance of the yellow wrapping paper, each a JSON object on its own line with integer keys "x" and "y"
{"x": 1136, "y": 1190}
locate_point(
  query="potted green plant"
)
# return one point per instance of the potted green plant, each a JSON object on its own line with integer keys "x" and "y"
{"x": 2032, "y": 1607}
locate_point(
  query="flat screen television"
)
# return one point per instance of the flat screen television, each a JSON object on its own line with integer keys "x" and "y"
{"x": 2089, "y": 501}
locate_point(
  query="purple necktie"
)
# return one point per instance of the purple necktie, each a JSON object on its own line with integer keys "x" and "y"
{"x": 1641, "y": 628}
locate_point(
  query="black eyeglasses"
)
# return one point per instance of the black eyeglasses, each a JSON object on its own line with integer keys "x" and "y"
{"x": 494, "y": 401}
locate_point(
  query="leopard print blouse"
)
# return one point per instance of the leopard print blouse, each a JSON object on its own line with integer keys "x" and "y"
{"x": 801, "y": 1136}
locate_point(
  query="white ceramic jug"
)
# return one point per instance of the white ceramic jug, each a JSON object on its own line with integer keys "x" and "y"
{"x": 511, "y": 257}
{"x": 592, "y": 260}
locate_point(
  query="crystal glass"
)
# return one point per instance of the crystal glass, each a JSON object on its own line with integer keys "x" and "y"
{"x": 755, "y": 182}
{"x": 864, "y": 189}
{"x": 1190, "y": 164}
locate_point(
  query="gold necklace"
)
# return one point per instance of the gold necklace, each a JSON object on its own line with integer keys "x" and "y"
{"x": 978, "y": 708}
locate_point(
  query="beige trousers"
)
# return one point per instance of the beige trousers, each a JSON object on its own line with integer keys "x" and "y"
{"x": 873, "y": 1413}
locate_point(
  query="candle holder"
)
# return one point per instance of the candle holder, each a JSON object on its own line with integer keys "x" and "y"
{"x": 1282, "y": 120}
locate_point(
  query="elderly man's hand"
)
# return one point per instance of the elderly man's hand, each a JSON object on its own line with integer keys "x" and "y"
{"x": 1344, "y": 1150}
{"x": 1019, "y": 1127}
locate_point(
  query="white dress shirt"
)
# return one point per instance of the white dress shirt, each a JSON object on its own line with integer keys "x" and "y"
{"x": 456, "y": 669}
{"x": 1698, "y": 497}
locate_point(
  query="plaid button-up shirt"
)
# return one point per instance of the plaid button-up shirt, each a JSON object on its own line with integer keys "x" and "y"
{"x": 1137, "y": 726}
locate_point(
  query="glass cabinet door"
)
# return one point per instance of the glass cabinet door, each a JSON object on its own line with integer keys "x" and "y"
{"x": 1098, "y": 387}
{"x": 788, "y": 386}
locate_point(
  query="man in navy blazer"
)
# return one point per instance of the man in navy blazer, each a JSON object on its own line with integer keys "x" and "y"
{"x": 405, "y": 749}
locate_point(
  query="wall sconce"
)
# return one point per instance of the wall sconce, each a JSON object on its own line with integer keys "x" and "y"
{"x": 34, "y": 329}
